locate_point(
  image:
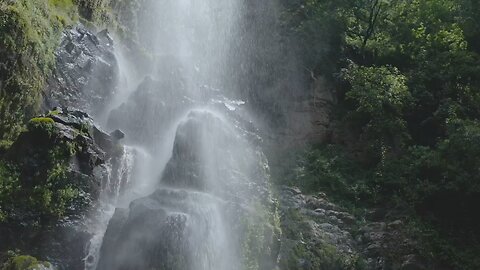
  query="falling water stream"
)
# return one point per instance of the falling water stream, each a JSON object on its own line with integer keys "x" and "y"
{"x": 191, "y": 163}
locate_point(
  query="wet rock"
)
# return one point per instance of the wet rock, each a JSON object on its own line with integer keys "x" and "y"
{"x": 151, "y": 109}
{"x": 212, "y": 208}
{"x": 203, "y": 139}
{"x": 154, "y": 232}
{"x": 412, "y": 262}
{"x": 117, "y": 134}
{"x": 86, "y": 72}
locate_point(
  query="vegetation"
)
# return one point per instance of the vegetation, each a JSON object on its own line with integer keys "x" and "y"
{"x": 29, "y": 34}
{"x": 23, "y": 262}
{"x": 408, "y": 89}
{"x": 262, "y": 230}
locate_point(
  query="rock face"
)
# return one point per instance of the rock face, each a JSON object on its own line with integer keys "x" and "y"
{"x": 157, "y": 233}
{"x": 386, "y": 245}
{"x": 309, "y": 121}
{"x": 315, "y": 233}
{"x": 153, "y": 107}
{"x": 86, "y": 73}
{"x": 318, "y": 234}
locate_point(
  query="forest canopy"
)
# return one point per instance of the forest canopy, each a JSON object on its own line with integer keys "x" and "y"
{"x": 407, "y": 74}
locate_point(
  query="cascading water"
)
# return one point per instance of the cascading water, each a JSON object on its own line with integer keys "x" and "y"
{"x": 191, "y": 194}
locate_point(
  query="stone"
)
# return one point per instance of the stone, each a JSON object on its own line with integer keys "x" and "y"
{"x": 395, "y": 225}
{"x": 86, "y": 73}
{"x": 117, "y": 134}
{"x": 412, "y": 262}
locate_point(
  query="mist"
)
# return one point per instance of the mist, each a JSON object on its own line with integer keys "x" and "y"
{"x": 197, "y": 177}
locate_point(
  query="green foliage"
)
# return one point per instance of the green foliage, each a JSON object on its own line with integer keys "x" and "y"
{"x": 426, "y": 175}
{"x": 379, "y": 96}
{"x": 330, "y": 169}
{"x": 24, "y": 262}
{"x": 437, "y": 247}
{"x": 409, "y": 83}
{"x": 9, "y": 185}
{"x": 56, "y": 194}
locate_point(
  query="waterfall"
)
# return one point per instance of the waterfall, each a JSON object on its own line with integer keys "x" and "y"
{"x": 194, "y": 173}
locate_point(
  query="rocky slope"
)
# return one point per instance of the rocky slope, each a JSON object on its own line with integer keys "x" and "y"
{"x": 86, "y": 72}
{"x": 318, "y": 234}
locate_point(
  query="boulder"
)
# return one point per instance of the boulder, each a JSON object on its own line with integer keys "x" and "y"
{"x": 151, "y": 109}
{"x": 117, "y": 134}
{"x": 155, "y": 231}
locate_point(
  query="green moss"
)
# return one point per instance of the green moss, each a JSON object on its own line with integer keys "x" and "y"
{"x": 53, "y": 112}
{"x": 45, "y": 120}
{"x": 24, "y": 262}
{"x": 43, "y": 126}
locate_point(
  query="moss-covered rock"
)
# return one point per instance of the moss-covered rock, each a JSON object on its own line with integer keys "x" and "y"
{"x": 316, "y": 234}
{"x": 51, "y": 177}
{"x": 24, "y": 262}
{"x": 50, "y": 169}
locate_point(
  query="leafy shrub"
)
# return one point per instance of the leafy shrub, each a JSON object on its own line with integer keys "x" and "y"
{"x": 379, "y": 96}
{"x": 331, "y": 169}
